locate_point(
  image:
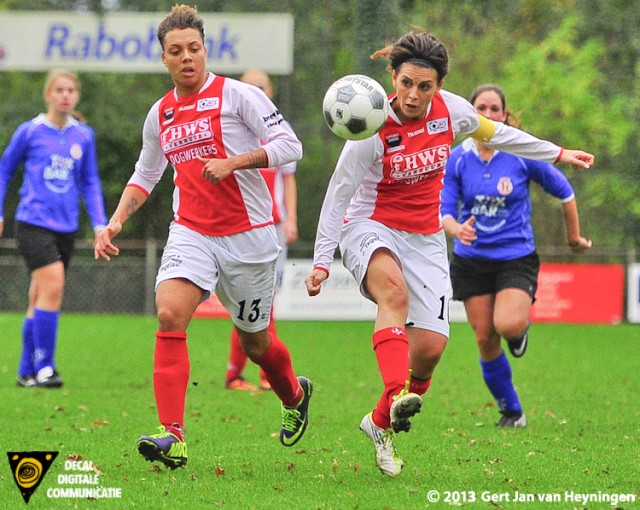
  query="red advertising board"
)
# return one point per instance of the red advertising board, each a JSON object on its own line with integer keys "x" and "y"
{"x": 579, "y": 293}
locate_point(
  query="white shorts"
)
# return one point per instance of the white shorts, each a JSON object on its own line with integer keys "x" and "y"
{"x": 239, "y": 268}
{"x": 422, "y": 258}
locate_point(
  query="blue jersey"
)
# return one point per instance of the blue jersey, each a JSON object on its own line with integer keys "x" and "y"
{"x": 496, "y": 192}
{"x": 59, "y": 166}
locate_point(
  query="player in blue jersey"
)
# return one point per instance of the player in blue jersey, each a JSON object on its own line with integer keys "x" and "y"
{"x": 57, "y": 153}
{"x": 486, "y": 207}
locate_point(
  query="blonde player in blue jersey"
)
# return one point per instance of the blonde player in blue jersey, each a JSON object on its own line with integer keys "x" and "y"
{"x": 486, "y": 207}
{"x": 58, "y": 156}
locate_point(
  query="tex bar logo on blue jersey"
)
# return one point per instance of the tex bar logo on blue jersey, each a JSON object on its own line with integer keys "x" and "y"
{"x": 58, "y": 175}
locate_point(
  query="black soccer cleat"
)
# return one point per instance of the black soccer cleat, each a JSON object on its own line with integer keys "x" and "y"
{"x": 518, "y": 347}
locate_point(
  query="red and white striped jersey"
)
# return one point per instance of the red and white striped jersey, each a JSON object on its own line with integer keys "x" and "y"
{"x": 225, "y": 118}
{"x": 396, "y": 176}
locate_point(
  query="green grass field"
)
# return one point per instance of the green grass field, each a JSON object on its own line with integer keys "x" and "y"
{"x": 580, "y": 386}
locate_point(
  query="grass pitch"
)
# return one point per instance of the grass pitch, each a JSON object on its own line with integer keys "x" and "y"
{"x": 580, "y": 387}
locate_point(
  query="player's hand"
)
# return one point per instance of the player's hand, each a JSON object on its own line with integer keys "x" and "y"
{"x": 581, "y": 245}
{"x": 103, "y": 247}
{"x": 577, "y": 159}
{"x": 467, "y": 232}
{"x": 314, "y": 281}
{"x": 215, "y": 170}
{"x": 1, "y": 227}
{"x": 290, "y": 231}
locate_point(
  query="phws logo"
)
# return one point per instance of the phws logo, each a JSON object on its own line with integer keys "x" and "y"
{"x": 28, "y": 470}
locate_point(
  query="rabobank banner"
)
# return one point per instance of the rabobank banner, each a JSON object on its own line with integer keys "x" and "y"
{"x": 126, "y": 42}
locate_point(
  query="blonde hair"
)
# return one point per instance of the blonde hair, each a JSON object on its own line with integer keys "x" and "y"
{"x": 54, "y": 74}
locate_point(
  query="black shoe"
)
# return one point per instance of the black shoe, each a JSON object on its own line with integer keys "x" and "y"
{"x": 512, "y": 420}
{"x": 26, "y": 381}
{"x": 48, "y": 378}
{"x": 518, "y": 347}
{"x": 296, "y": 419}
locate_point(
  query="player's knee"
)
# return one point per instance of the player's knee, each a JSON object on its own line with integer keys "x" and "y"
{"x": 171, "y": 318}
{"x": 394, "y": 297}
{"x": 512, "y": 327}
{"x": 254, "y": 345}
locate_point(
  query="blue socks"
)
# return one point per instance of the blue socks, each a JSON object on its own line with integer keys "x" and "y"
{"x": 497, "y": 377}
{"x": 26, "y": 366}
{"x": 45, "y": 336}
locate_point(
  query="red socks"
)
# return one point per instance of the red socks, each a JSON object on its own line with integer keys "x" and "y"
{"x": 237, "y": 358}
{"x": 276, "y": 362}
{"x": 419, "y": 386}
{"x": 171, "y": 376}
{"x": 392, "y": 352}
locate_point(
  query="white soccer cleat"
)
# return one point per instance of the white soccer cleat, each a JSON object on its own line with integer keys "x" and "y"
{"x": 386, "y": 456}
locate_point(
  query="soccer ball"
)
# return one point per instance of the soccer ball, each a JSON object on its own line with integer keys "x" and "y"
{"x": 355, "y": 107}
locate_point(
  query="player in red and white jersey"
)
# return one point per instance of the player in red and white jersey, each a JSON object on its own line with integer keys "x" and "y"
{"x": 281, "y": 182}
{"x": 382, "y": 208}
{"x": 222, "y": 238}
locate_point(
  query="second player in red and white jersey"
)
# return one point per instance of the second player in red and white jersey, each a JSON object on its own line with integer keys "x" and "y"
{"x": 382, "y": 208}
{"x": 217, "y": 122}
{"x": 396, "y": 176}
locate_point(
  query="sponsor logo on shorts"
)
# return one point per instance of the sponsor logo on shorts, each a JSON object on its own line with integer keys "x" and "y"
{"x": 171, "y": 262}
{"x": 369, "y": 239}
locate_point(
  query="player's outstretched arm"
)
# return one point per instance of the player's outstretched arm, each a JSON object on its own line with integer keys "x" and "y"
{"x": 576, "y": 158}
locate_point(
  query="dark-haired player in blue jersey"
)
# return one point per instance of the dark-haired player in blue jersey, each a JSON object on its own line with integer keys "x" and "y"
{"x": 58, "y": 155}
{"x": 486, "y": 207}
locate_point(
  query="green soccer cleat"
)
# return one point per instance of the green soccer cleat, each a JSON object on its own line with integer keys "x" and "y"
{"x": 296, "y": 419}
{"x": 164, "y": 447}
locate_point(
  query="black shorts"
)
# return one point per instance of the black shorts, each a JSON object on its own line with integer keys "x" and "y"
{"x": 477, "y": 277}
{"x": 41, "y": 247}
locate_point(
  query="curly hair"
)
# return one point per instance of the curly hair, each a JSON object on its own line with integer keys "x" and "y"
{"x": 181, "y": 16}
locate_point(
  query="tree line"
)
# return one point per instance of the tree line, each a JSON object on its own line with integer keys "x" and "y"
{"x": 570, "y": 69}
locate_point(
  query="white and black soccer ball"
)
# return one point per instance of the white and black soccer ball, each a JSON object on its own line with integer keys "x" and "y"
{"x": 355, "y": 107}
